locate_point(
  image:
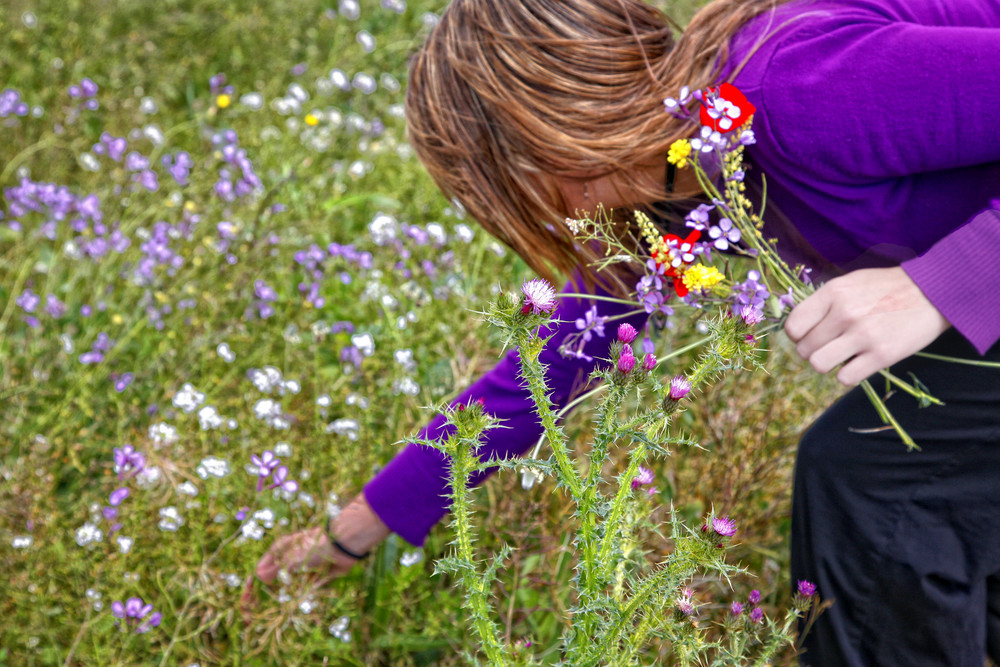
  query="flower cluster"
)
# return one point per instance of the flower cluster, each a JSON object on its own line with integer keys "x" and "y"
{"x": 136, "y": 614}
{"x": 269, "y": 465}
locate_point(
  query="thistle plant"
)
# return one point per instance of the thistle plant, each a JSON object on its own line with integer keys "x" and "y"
{"x": 618, "y": 602}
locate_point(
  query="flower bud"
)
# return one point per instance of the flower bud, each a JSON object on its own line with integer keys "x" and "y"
{"x": 626, "y": 362}
{"x": 626, "y": 333}
{"x": 649, "y": 363}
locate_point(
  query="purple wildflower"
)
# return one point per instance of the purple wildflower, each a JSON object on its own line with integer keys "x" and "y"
{"x": 806, "y": 588}
{"x": 724, "y": 233}
{"x": 135, "y": 610}
{"x": 698, "y": 218}
{"x": 736, "y": 608}
{"x": 754, "y": 597}
{"x": 54, "y": 307}
{"x": 539, "y": 297}
{"x": 591, "y": 323}
{"x": 280, "y": 478}
{"x": 122, "y": 381}
{"x": 117, "y": 496}
{"x": 128, "y": 462}
{"x": 757, "y": 616}
{"x": 28, "y": 301}
{"x": 724, "y": 526}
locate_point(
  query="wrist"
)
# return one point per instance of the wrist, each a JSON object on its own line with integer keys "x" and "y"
{"x": 356, "y": 530}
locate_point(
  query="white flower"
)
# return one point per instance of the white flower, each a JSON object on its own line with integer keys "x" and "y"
{"x": 187, "y": 488}
{"x": 170, "y": 519}
{"x": 212, "y": 466}
{"x": 124, "y": 543}
{"x": 366, "y": 41}
{"x": 225, "y": 353}
{"x": 383, "y": 228}
{"x": 464, "y": 232}
{"x": 339, "y": 79}
{"x": 365, "y": 343}
{"x": 88, "y": 533}
{"x": 22, "y": 541}
{"x": 348, "y": 427}
{"x": 404, "y": 357}
{"x": 406, "y": 385}
{"x": 364, "y": 82}
{"x": 411, "y": 558}
{"x": 209, "y": 418}
{"x": 188, "y": 398}
{"x": 265, "y": 517}
{"x": 251, "y": 530}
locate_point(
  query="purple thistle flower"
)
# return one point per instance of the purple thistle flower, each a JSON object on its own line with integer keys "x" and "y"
{"x": 751, "y": 315}
{"x": 685, "y": 604}
{"x": 626, "y": 362}
{"x": 757, "y": 616}
{"x": 626, "y": 333}
{"x": 806, "y": 588}
{"x": 724, "y": 526}
{"x": 754, "y": 597}
{"x": 736, "y": 608}
{"x": 649, "y": 363}
{"x": 644, "y": 476}
{"x": 679, "y": 387}
{"x": 539, "y": 297}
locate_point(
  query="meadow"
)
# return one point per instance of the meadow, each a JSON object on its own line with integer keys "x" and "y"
{"x": 216, "y": 242}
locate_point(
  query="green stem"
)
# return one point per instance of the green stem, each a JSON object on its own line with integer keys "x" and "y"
{"x": 534, "y": 373}
{"x": 886, "y": 416}
{"x": 959, "y": 360}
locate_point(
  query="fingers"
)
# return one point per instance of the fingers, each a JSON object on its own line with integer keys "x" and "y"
{"x": 805, "y": 316}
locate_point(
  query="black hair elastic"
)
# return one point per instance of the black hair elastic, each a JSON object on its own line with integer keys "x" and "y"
{"x": 671, "y": 174}
{"x": 341, "y": 547}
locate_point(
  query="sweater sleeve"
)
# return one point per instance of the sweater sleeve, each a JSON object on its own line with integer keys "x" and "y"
{"x": 965, "y": 296}
{"x": 902, "y": 99}
{"x": 410, "y": 493}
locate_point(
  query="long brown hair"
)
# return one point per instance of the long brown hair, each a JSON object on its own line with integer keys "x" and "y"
{"x": 505, "y": 92}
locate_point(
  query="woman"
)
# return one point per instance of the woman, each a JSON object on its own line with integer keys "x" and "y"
{"x": 875, "y": 129}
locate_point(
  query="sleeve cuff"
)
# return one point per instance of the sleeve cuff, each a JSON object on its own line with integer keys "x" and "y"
{"x": 961, "y": 277}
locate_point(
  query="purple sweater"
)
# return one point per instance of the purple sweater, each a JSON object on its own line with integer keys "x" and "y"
{"x": 876, "y": 130}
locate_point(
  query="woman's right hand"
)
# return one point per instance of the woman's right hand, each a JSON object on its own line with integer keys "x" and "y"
{"x": 357, "y": 528}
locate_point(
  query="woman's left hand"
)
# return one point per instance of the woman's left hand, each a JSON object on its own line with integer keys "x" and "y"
{"x": 867, "y": 320}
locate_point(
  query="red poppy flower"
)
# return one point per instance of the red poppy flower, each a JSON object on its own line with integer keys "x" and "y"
{"x": 726, "y": 108}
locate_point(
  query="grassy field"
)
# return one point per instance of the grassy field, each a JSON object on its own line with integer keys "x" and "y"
{"x": 226, "y": 248}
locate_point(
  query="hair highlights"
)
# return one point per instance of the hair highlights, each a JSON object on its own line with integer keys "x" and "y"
{"x": 503, "y": 94}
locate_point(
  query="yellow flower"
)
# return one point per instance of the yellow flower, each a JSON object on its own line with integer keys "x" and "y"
{"x": 312, "y": 120}
{"x": 222, "y": 101}
{"x": 679, "y": 152}
{"x": 701, "y": 277}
